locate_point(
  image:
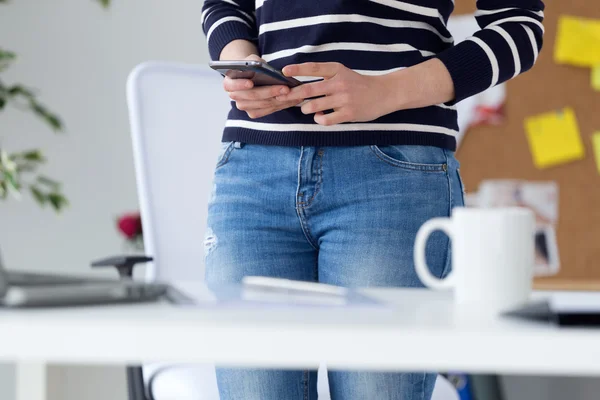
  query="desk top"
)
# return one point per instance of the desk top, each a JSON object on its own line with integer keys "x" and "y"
{"x": 420, "y": 330}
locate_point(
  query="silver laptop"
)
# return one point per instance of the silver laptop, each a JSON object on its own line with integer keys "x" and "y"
{"x": 24, "y": 289}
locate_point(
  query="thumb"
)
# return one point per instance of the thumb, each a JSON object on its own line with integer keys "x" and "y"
{"x": 254, "y": 57}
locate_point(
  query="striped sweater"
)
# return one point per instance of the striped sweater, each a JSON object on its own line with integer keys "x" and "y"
{"x": 374, "y": 37}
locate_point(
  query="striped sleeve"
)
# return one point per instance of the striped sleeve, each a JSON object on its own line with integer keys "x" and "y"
{"x": 507, "y": 45}
{"x": 224, "y": 21}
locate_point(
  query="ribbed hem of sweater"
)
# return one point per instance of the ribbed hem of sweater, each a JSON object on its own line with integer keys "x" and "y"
{"x": 350, "y": 138}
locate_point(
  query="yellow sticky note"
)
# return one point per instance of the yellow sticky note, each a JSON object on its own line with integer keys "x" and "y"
{"x": 578, "y": 41}
{"x": 596, "y": 144}
{"x": 596, "y": 78}
{"x": 554, "y": 138}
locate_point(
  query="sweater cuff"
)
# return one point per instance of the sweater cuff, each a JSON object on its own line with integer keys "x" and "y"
{"x": 469, "y": 67}
{"x": 227, "y": 33}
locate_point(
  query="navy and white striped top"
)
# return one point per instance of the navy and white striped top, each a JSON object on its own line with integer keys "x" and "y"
{"x": 374, "y": 37}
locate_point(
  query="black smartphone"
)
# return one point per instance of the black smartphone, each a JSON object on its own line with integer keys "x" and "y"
{"x": 261, "y": 73}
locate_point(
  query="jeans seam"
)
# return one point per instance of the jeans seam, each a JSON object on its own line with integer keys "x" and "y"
{"x": 449, "y": 185}
{"x": 306, "y": 382}
{"x": 319, "y": 182}
{"x": 305, "y": 229}
{"x": 226, "y": 155}
{"x": 447, "y": 266}
{"x": 423, "y": 391}
{"x": 299, "y": 209}
{"x": 463, "y": 190}
{"x": 316, "y": 269}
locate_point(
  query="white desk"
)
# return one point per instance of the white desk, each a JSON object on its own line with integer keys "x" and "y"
{"x": 420, "y": 331}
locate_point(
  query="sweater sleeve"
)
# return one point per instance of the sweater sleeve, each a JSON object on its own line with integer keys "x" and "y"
{"x": 224, "y": 21}
{"x": 507, "y": 45}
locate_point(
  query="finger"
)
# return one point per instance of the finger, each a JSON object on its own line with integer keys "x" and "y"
{"x": 254, "y": 57}
{"x": 261, "y": 113}
{"x": 309, "y": 90}
{"x": 233, "y": 85}
{"x": 322, "y": 104}
{"x": 259, "y": 93}
{"x": 246, "y": 105}
{"x": 325, "y": 70}
{"x": 334, "y": 118}
{"x": 267, "y": 111}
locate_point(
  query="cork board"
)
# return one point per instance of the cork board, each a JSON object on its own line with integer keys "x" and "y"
{"x": 502, "y": 152}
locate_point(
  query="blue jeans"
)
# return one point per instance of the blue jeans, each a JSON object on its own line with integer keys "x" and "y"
{"x": 340, "y": 215}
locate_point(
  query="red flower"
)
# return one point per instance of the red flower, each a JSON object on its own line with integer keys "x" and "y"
{"x": 130, "y": 225}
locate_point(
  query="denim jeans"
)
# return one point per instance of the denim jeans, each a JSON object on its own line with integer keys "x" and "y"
{"x": 340, "y": 215}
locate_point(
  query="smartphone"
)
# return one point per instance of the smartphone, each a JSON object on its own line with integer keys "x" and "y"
{"x": 261, "y": 73}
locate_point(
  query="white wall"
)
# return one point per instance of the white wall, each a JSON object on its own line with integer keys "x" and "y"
{"x": 78, "y": 56}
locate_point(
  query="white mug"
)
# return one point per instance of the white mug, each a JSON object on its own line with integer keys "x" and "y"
{"x": 492, "y": 256}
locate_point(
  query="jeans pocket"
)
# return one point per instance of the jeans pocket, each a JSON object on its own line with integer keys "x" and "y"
{"x": 224, "y": 153}
{"x": 412, "y": 157}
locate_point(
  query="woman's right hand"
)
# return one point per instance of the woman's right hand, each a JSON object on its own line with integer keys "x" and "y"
{"x": 257, "y": 101}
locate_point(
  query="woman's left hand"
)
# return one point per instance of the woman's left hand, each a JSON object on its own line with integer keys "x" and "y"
{"x": 352, "y": 97}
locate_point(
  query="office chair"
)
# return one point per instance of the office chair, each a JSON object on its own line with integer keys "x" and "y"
{"x": 177, "y": 113}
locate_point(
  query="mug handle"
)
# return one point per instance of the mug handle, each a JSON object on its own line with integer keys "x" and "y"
{"x": 421, "y": 267}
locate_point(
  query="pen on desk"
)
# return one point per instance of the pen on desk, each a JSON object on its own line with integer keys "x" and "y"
{"x": 288, "y": 284}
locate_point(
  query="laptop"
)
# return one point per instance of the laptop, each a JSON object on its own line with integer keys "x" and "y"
{"x": 573, "y": 309}
{"x": 27, "y": 289}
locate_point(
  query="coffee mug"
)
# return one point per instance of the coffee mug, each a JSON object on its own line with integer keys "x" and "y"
{"x": 492, "y": 256}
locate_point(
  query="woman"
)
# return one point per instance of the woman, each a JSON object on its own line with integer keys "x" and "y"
{"x": 334, "y": 189}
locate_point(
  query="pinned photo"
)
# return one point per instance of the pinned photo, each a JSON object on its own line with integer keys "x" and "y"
{"x": 546, "y": 252}
{"x": 542, "y": 199}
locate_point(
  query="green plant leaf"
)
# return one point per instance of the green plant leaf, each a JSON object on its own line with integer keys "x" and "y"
{"x": 57, "y": 200}
{"x": 12, "y": 181}
{"x": 3, "y": 95}
{"x": 12, "y": 184}
{"x": 27, "y": 161}
{"x": 6, "y": 162}
{"x": 20, "y": 90}
{"x": 38, "y": 195}
{"x": 44, "y": 180}
{"x": 3, "y": 189}
{"x": 50, "y": 118}
{"x": 26, "y": 167}
{"x": 105, "y": 3}
{"x": 54, "y": 122}
{"x": 7, "y": 54}
{"x": 6, "y": 57}
{"x": 33, "y": 155}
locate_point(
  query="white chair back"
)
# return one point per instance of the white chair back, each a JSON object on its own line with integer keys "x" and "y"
{"x": 177, "y": 114}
